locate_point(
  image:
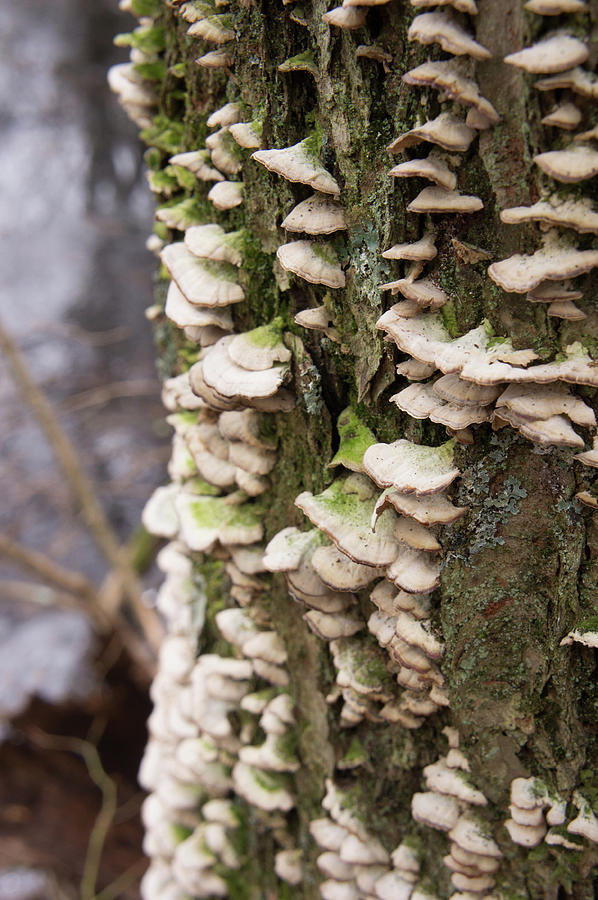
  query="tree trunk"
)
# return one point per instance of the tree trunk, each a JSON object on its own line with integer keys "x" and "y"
{"x": 517, "y": 572}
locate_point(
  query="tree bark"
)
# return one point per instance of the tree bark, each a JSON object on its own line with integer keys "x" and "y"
{"x": 519, "y": 570}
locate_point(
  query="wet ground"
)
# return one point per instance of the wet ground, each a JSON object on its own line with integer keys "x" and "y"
{"x": 74, "y": 215}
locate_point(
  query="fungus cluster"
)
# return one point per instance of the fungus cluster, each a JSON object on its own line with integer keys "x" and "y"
{"x": 560, "y": 55}
{"x": 361, "y": 537}
{"x": 320, "y": 214}
{"x": 354, "y": 863}
{"x": 364, "y": 569}
{"x": 538, "y": 814}
{"x": 221, "y": 733}
{"x": 196, "y": 752}
{"x": 186, "y": 765}
{"x": 485, "y": 381}
{"x": 452, "y": 804}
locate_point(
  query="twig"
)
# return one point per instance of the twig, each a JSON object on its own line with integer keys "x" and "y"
{"x": 50, "y": 571}
{"x": 74, "y": 332}
{"x": 39, "y": 594}
{"x": 120, "y": 884}
{"x": 104, "y": 819}
{"x": 104, "y": 608}
{"x": 103, "y": 394}
{"x": 82, "y": 488}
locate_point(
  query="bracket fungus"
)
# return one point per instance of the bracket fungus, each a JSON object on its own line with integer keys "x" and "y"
{"x": 556, "y": 7}
{"x": 201, "y": 283}
{"x": 554, "y": 54}
{"x": 185, "y": 314}
{"x": 576, "y": 163}
{"x": 347, "y": 17}
{"x": 464, "y": 6}
{"x": 519, "y": 273}
{"x": 579, "y": 215}
{"x": 216, "y": 59}
{"x": 222, "y": 151}
{"x": 419, "y": 251}
{"x": 198, "y": 162}
{"x": 566, "y": 116}
{"x": 439, "y": 28}
{"x": 247, "y": 134}
{"x": 226, "y": 194}
{"x": 411, "y": 468}
{"x": 437, "y": 200}
{"x": 299, "y": 164}
{"x": 433, "y": 168}
{"x": 228, "y": 114}
{"x": 445, "y": 130}
{"x": 316, "y": 215}
{"x": 214, "y": 29}
{"x": 449, "y": 77}
{"x": 316, "y": 263}
{"x": 345, "y": 517}
{"x": 231, "y": 380}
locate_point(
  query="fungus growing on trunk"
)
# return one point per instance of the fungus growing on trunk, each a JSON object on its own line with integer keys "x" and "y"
{"x": 316, "y": 215}
{"x": 555, "y": 54}
{"x": 440, "y": 28}
{"x": 299, "y": 164}
{"x": 316, "y": 263}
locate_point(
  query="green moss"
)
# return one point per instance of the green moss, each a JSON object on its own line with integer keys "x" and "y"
{"x": 304, "y": 61}
{"x": 183, "y": 214}
{"x": 186, "y": 179}
{"x": 286, "y": 746}
{"x": 148, "y": 8}
{"x": 163, "y": 181}
{"x": 152, "y": 158}
{"x": 178, "y": 70}
{"x": 149, "y": 39}
{"x": 266, "y": 336}
{"x": 181, "y": 833}
{"x": 151, "y": 71}
{"x": 164, "y": 134}
{"x": 355, "y": 438}
{"x": 312, "y": 144}
{"x": 355, "y": 755}
{"x": 589, "y": 624}
{"x": 449, "y": 319}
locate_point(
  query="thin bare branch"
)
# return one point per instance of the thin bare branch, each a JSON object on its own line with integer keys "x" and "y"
{"x": 82, "y": 488}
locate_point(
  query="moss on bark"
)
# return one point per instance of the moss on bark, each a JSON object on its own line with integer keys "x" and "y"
{"x": 520, "y": 569}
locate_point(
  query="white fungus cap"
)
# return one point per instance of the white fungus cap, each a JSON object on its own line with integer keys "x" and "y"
{"x": 439, "y": 28}
{"x": 226, "y": 194}
{"x": 261, "y": 789}
{"x": 465, "y": 6}
{"x": 411, "y": 467}
{"x": 556, "y": 7}
{"x": 316, "y": 215}
{"x": 348, "y": 17}
{"x": 299, "y": 164}
{"x": 435, "y": 810}
{"x": 316, "y": 263}
{"x": 449, "y": 77}
{"x": 288, "y": 865}
{"x": 554, "y": 54}
{"x": 204, "y": 285}
{"x": 445, "y": 130}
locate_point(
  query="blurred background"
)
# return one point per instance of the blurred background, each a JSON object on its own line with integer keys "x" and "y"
{"x": 74, "y": 212}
